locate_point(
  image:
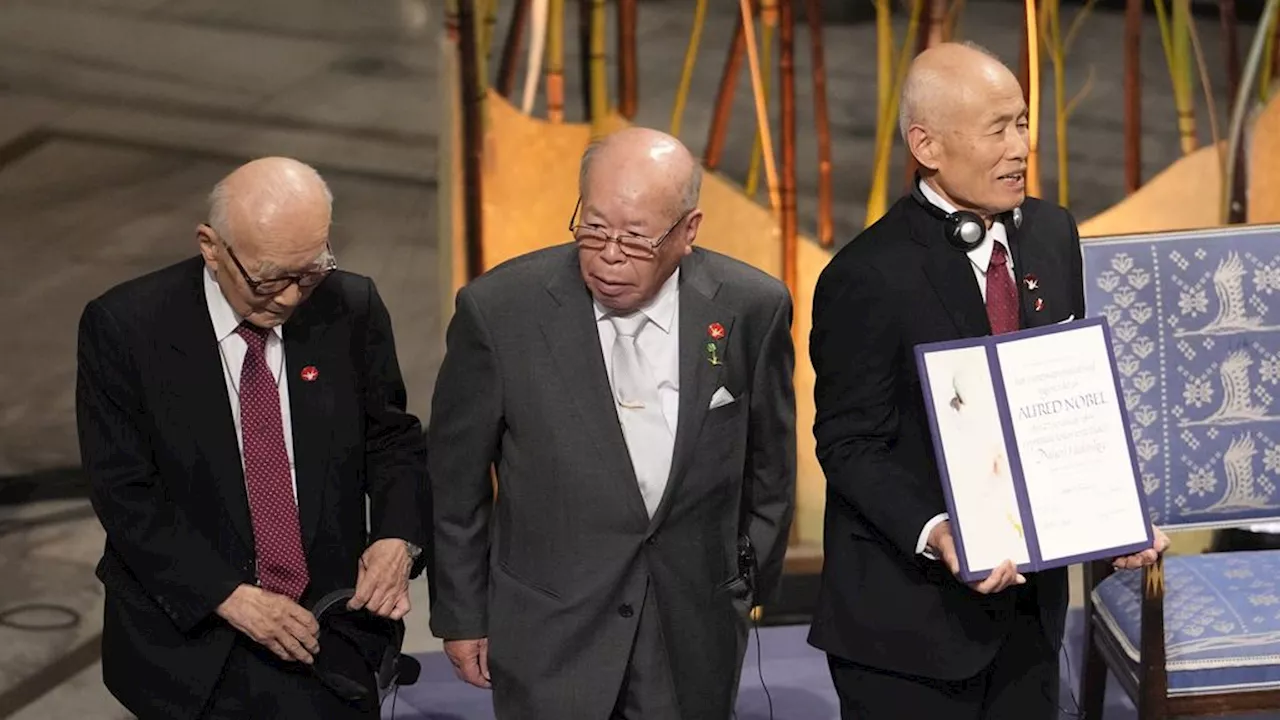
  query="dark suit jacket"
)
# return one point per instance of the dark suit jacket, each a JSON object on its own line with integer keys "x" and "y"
{"x": 895, "y": 286}
{"x": 159, "y": 444}
{"x": 550, "y": 569}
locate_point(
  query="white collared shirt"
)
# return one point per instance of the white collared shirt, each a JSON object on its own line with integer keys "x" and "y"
{"x": 659, "y": 340}
{"x": 980, "y": 256}
{"x": 232, "y": 349}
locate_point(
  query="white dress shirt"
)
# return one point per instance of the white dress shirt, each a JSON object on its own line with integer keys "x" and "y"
{"x": 979, "y": 259}
{"x": 659, "y": 340}
{"x": 232, "y": 349}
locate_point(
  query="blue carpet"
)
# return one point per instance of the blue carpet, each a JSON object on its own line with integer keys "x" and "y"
{"x": 795, "y": 673}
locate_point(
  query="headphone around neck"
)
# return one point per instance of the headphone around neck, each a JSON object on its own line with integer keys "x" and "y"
{"x": 965, "y": 230}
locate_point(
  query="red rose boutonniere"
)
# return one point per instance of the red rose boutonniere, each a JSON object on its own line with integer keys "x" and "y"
{"x": 715, "y": 331}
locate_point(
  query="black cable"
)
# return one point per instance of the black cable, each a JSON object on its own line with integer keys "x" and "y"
{"x": 760, "y": 670}
{"x": 72, "y": 618}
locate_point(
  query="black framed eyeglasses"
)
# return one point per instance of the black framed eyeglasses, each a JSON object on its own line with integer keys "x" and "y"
{"x": 631, "y": 245}
{"x": 270, "y": 287}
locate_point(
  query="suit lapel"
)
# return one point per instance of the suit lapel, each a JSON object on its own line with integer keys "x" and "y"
{"x": 1028, "y": 262}
{"x": 569, "y": 329}
{"x": 205, "y": 399}
{"x": 310, "y": 405}
{"x": 699, "y": 378}
{"x": 951, "y": 274}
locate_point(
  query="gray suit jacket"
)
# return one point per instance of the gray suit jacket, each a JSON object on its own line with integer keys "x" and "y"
{"x": 549, "y": 566}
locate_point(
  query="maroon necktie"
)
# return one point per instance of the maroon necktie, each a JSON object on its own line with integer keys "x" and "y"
{"x": 1002, "y": 296}
{"x": 282, "y": 566}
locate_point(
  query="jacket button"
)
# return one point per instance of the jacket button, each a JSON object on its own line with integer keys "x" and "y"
{"x": 625, "y": 610}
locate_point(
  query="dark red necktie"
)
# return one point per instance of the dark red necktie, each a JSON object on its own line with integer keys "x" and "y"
{"x": 282, "y": 566}
{"x": 1002, "y": 296}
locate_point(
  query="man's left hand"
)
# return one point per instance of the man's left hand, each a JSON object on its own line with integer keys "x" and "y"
{"x": 382, "y": 586}
{"x": 1146, "y": 557}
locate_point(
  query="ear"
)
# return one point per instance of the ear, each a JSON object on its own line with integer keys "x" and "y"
{"x": 691, "y": 230}
{"x": 208, "y": 246}
{"x": 924, "y": 147}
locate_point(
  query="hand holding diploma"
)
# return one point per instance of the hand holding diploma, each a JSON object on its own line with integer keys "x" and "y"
{"x": 942, "y": 544}
{"x": 1144, "y": 557}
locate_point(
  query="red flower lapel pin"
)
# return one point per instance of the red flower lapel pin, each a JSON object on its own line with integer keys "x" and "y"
{"x": 310, "y": 373}
{"x": 715, "y": 331}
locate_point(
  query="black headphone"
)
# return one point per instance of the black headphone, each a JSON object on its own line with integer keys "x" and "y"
{"x": 394, "y": 668}
{"x": 965, "y": 230}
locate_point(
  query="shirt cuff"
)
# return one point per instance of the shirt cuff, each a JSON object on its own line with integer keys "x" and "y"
{"x": 921, "y": 544}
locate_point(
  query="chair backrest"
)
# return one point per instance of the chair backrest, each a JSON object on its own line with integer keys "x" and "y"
{"x": 1195, "y": 324}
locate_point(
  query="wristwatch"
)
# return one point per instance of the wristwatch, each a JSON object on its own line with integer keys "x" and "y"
{"x": 414, "y": 551}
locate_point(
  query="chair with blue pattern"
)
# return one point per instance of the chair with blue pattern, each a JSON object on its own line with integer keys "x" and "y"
{"x": 1196, "y": 333}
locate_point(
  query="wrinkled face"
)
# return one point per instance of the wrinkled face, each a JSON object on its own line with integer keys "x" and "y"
{"x": 978, "y": 147}
{"x": 269, "y": 273}
{"x": 629, "y": 240}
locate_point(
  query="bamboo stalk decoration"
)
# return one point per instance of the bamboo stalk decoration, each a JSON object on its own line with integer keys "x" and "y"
{"x": 1270, "y": 62}
{"x": 511, "y": 48}
{"x": 555, "y": 61}
{"x": 884, "y": 59}
{"x": 482, "y": 65}
{"x": 762, "y": 115}
{"x": 1229, "y": 23}
{"x": 1202, "y": 66}
{"x": 1249, "y": 76}
{"x": 599, "y": 77}
{"x": 1177, "y": 44}
{"x": 1031, "y": 20}
{"x": 490, "y": 25}
{"x": 473, "y": 137}
{"x": 826, "y": 223}
{"x": 768, "y": 22}
{"x": 935, "y": 24}
{"x": 627, "y": 78}
{"x": 886, "y": 126}
{"x": 537, "y": 44}
{"x": 1059, "y": 47}
{"x": 584, "y": 56}
{"x": 724, "y": 99}
{"x": 786, "y": 69}
{"x": 690, "y": 59}
{"x": 1132, "y": 96}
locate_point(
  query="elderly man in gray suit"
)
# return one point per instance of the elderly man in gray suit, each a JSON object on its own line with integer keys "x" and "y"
{"x": 634, "y": 396}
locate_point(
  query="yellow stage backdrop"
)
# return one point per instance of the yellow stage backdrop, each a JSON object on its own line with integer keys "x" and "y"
{"x": 529, "y": 180}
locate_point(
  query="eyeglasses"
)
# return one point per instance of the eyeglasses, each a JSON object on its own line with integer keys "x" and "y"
{"x": 270, "y": 287}
{"x": 633, "y": 246}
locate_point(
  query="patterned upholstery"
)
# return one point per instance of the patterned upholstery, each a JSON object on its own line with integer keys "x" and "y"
{"x": 1195, "y": 324}
{"x": 1221, "y": 615}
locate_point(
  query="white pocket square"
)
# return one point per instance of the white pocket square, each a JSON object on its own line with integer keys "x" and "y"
{"x": 721, "y": 398}
{"x": 1069, "y": 319}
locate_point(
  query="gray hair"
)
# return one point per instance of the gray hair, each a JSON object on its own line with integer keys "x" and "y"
{"x": 689, "y": 193}
{"x": 920, "y": 85}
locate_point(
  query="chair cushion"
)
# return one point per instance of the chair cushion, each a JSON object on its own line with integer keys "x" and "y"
{"x": 1221, "y": 620}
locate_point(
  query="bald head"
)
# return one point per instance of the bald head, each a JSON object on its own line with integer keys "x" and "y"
{"x": 964, "y": 120}
{"x": 645, "y": 161}
{"x": 638, "y": 217}
{"x": 262, "y": 195}
{"x": 943, "y": 78}
{"x": 266, "y": 241}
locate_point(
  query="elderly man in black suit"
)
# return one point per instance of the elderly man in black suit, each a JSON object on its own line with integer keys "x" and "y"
{"x": 239, "y": 414}
{"x": 634, "y": 395}
{"x": 958, "y": 257}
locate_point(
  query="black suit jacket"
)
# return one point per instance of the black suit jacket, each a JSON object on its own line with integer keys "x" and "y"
{"x": 895, "y": 286}
{"x": 555, "y": 570}
{"x": 158, "y": 442}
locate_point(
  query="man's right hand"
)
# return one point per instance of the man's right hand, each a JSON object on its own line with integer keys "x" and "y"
{"x": 274, "y": 621}
{"x": 470, "y": 660}
{"x": 944, "y": 546}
